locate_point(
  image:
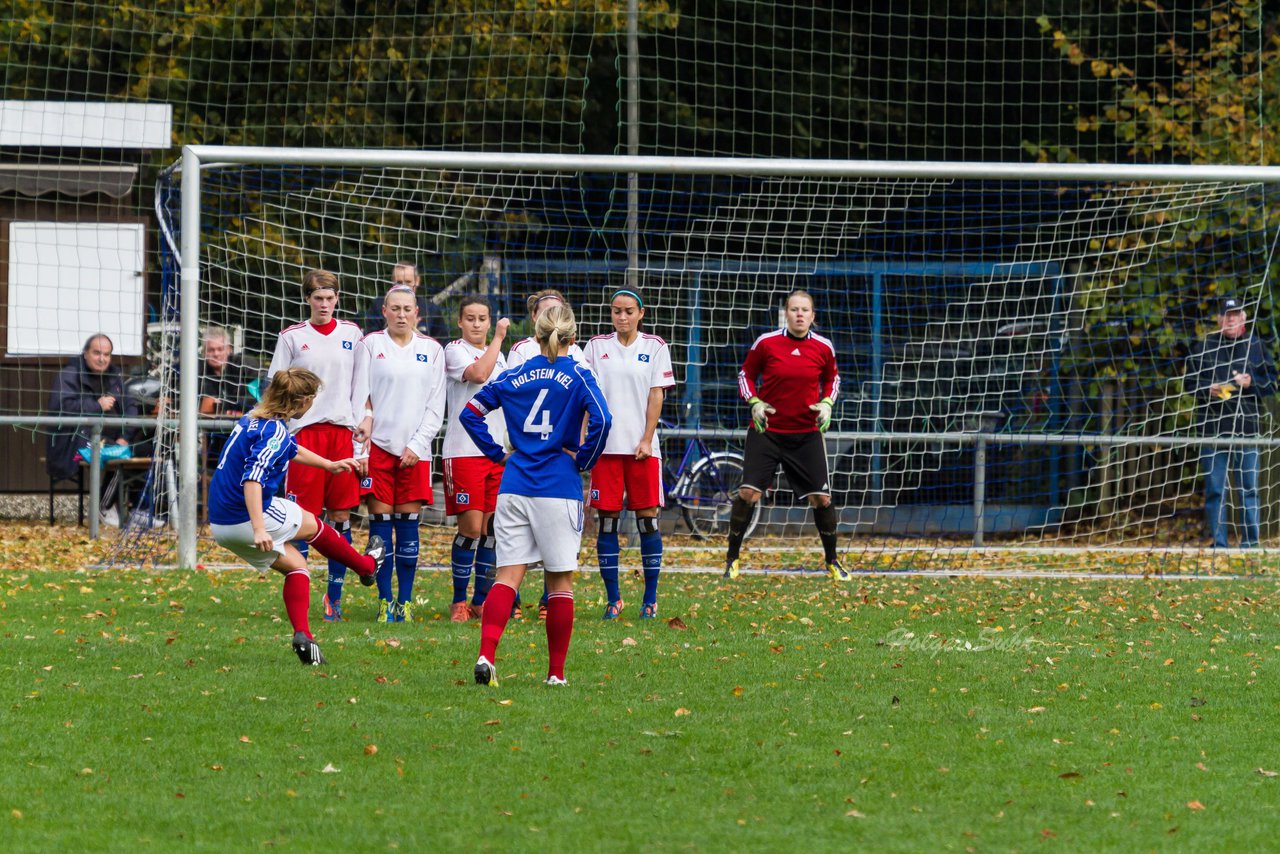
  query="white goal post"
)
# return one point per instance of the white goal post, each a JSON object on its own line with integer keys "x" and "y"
{"x": 950, "y": 432}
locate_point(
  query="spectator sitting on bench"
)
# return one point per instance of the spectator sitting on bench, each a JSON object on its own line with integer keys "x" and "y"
{"x": 225, "y": 385}
{"x": 225, "y": 377}
{"x": 89, "y": 385}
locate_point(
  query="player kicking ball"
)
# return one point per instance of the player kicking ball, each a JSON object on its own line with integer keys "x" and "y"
{"x": 539, "y": 508}
{"x": 250, "y": 521}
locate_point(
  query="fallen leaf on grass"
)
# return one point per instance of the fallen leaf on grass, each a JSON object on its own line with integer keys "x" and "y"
{"x": 676, "y": 623}
{"x": 681, "y": 712}
{"x": 329, "y": 769}
{"x": 854, "y": 814}
{"x": 1266, "y": 773}
{"x": 628, "y": 641}
{"x": 1069, "y": 775}
{"x": 1194, "y": 805}
{"x": 737, "y": 690}
{"x": 1035, "y": 710}
{"x": 493, "y": 722}
{"x": 246, "y": 739}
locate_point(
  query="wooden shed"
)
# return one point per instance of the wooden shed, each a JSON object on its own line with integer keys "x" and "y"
{"x": 76, "y": 236}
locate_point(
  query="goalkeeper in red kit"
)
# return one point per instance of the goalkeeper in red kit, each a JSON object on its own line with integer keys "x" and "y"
{"x": 790, "y": 380}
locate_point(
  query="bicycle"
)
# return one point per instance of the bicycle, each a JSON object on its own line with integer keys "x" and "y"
{"x": 703, "y": 484}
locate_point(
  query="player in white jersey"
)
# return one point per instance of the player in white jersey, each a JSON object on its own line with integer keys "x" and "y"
{"x": 471, "y": 479}
{"x": 325, "y": 346}
{"x": 398, "y": 389}
{"x": 521, "y": 352}
{"x": 634, "y": 372}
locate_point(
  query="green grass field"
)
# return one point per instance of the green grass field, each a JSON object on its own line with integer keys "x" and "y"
{"x": 166, "y": 710}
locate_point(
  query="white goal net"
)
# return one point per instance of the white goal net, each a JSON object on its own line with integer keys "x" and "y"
{"x": 1013, "y": 350}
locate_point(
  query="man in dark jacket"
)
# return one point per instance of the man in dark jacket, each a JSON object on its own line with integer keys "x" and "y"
{"x": 430, "y": 323}
{"x": 226, "y": 378}
{"x": 87, "y": 386}
{"x": 1229, "y": 373}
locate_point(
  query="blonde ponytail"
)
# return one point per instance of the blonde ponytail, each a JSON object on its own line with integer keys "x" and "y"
{"x": 555, "y": 328}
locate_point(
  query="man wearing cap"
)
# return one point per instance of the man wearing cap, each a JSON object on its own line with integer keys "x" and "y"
{"x": 1228, "y": 373}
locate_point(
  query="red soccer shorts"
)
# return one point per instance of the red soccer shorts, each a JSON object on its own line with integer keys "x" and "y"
{"x": 394, "y": 485}
{"x": 314, "y": 489}
{"x": 641, "y": 479}
{"x": 471, "y": 483}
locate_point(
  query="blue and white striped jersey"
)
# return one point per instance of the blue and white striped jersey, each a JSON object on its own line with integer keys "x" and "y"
{"x": 260, "y": 450}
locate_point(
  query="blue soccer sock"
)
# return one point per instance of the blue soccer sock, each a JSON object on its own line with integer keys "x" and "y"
{"x": 607, "y": 554}
{"x": 462, "y": 559}
{"x": 486, "y": 568}
{"x": 651, "y": 556}
{"x": 380, "y": 524}
{"x": 406, "y": 527}
{"x": 337, "y": 572}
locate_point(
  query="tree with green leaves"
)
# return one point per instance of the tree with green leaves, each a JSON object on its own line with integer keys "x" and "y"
{"x": 1213, "y": 99}
{"x": 380, "y": 74}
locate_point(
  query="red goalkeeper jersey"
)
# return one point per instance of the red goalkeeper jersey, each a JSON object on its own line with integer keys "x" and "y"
{"x": 790, "y": 374}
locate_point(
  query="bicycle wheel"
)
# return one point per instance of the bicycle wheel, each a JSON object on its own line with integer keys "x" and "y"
{"x": 706, "y": 495}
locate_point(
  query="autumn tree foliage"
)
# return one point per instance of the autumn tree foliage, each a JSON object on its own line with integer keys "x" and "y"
{"x": 1211, "y": 98}
{"x": 377, "y": 74}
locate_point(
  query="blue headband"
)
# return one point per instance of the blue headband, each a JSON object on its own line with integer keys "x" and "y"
{"x": 626, "y": 293}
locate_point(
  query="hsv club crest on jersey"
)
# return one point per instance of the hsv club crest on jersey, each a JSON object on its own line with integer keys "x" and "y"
{"x": 406, "y": 387}
{"x": 458, "y": 356}
{"x": 626, "y": 374}
{"x": 328, "y": 353}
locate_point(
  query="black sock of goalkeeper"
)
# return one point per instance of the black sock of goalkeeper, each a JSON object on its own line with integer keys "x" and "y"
{"x": 739, "y": 518}
{"x": 827, "y": 519}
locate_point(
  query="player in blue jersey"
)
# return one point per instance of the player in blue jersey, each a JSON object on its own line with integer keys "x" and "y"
{"x": 539, "y": 511}
{"x": 248, "y": 519}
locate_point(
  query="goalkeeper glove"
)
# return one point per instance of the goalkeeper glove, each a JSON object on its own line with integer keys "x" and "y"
{"x": 823, "y": 410}
{"x": 760, "y": 412}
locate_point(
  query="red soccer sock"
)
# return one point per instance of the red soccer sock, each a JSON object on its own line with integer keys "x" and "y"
{"x": 330, "y": 543}
{"x": 493, "y": 621}
{"x": 559, "y": 630}
{"x": 297, "y": 599}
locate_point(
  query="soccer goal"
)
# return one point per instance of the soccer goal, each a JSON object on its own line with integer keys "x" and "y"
{"x": 1012, "y": 339}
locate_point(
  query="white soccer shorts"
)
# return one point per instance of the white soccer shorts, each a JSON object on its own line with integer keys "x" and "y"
{"x": 530, "y": 529}
{"x": 283, "y": 518}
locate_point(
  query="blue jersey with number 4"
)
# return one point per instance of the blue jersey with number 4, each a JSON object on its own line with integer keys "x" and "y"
{"x": 543, "y": 404}
{"x": 259, "y": 450}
